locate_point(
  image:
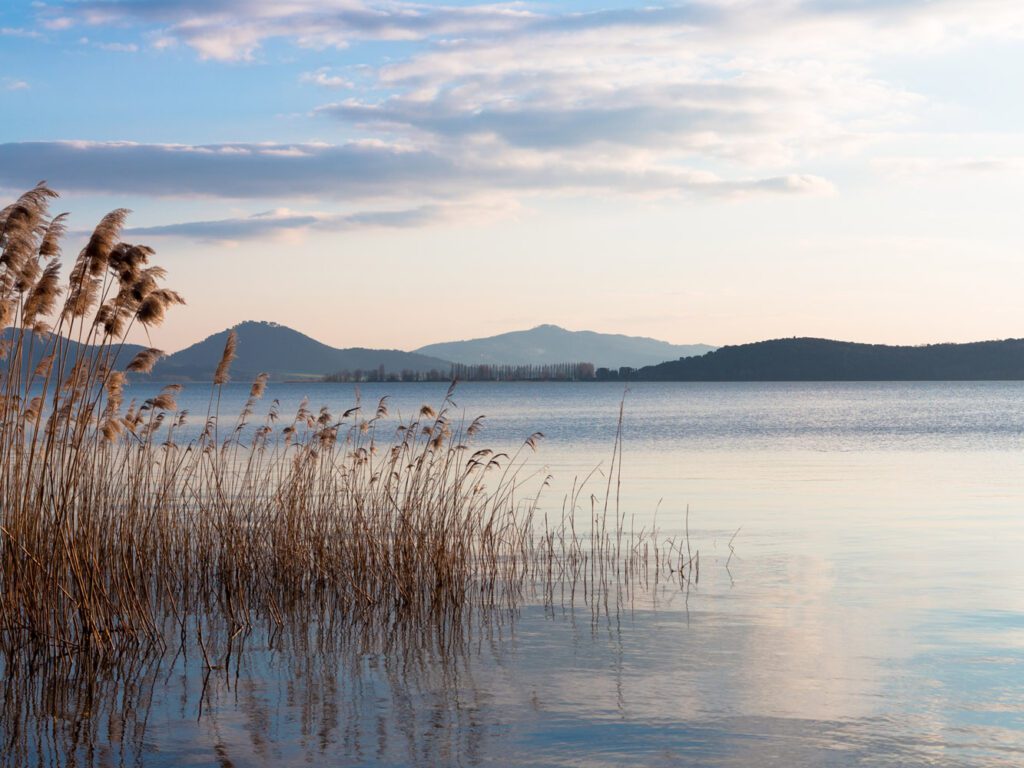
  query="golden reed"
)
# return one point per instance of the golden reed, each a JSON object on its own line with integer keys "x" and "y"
{"x": 112, "y": 527}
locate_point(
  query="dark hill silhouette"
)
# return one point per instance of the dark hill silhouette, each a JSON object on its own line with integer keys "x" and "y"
{"x": 805, "y": 359}
{"x": 284, "y": 353}
{"x": 550, "y": 344}
{"x": 35, "y": 348}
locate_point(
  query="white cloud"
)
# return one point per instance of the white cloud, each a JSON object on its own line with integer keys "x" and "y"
{"x": 58, "y": 23}
{"x": 770, "y": 83}
{"x": 235, "y": 29}
{"x": 325, "y": 79}
{"x": 11, "y": 84}
{"x": 18, "y": 32}
{"x": 742, "y": 117}
{"x": 720, "y": 98}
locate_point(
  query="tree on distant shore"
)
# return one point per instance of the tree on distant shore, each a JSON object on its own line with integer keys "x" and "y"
{"x": 462, "y": 372}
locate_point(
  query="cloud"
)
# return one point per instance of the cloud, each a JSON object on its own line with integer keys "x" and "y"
{"x": 224, "y": 170}
{"x": 235, "y": 29}
{"x": 19, "y": 32}
{"x": 325, "y": 79}
{"x": 768, "y": 84}
{"x": 745, "y": 118}
{"x": 547, "y": 120}
{"x": 59, "y": 23}
{"x": 703, "y": 99}
{"x": 592, "y": 97}
{"x": 11, "y": 84}
{"x": 918, "y": 166}
{"x": 369, "y": 170}
{"x": 284, "y": 221}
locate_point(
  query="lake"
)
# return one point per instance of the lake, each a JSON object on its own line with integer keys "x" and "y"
{"x": 860, "y": 601}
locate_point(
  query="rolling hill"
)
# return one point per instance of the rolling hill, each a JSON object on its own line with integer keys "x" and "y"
{"x": 36, "y": 347}
{"x": 807, "y": 359}
{"x": 284, "y": 354}
{"x": 550, "y": 344}
{"x": 287, "y": 354}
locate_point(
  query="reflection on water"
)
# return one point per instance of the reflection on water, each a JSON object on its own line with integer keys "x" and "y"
{"x": 872, "y": 614}
{"x": 653, "y": 686}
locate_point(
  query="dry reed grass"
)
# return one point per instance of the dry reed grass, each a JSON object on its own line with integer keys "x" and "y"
{"x": 113, "y": 529}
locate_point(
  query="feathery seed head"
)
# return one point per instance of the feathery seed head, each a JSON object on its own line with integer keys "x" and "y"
{"x": 222, "y": 375}
{"x": 50, "y": 245}
{"x": 259, "y": 386}
{"x": 43, "y": 296}
{"x": 45, "y": 365}
{"x": 144, "y": 361}
{"x": 103, "y": 239}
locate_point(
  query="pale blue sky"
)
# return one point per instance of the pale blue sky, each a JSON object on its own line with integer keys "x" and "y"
{"x": 394, "y": 174}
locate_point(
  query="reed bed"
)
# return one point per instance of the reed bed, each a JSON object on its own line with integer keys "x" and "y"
{"x": 113, "y": 527}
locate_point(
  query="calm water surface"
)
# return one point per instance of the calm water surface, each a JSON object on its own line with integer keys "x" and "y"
{"x": 872, "y": 612}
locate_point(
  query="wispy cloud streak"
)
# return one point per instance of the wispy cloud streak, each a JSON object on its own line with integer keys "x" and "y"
{"x": 354, "y": 171}
{"x": 273, "y": 223}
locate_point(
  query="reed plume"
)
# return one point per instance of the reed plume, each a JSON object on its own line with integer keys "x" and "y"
{"x": 144, "y": 360}
{"x": 224, "y": 366}
{"x": 113, "y": 526}
{"x": 97, "y": 251}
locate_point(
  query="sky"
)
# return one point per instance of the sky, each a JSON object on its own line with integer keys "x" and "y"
{"x": 393, "y": 174}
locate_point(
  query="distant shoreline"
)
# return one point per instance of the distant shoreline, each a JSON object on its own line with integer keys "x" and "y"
{"x": 243, "y": 383}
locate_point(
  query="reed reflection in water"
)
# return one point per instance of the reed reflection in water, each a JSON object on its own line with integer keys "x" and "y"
{"x": 648, "y": 685}
{"x": 122, "y": 537}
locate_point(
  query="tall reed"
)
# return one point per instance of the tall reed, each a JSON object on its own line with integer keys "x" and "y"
{"x": 113, "y": 526}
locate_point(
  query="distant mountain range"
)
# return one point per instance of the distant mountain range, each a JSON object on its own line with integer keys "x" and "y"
{"x": 805, "y": 359}
{"x": 549, "y": 344}
{"x": 285, "y": 354}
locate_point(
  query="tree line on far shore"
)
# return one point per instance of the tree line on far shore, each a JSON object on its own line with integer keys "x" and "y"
{"x": 483, "y": 372}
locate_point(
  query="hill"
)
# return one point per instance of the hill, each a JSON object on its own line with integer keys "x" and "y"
{"x": 805, "y": 359}
{"x": 549, "y": 344}
{"x": 37, "y": 346}
{"x": 285, "y": 354}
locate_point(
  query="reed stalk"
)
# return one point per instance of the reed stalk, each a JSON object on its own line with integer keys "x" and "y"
{"x": 112, "y": 526}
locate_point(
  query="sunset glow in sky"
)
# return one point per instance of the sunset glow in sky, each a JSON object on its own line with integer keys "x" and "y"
{"x": 394, "y": 174}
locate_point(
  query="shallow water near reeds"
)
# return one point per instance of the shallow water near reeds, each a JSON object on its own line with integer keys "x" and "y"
{"x": 869, "y": 611}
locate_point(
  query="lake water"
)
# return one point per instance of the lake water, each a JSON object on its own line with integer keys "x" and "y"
{"x": 870, "y": 611}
